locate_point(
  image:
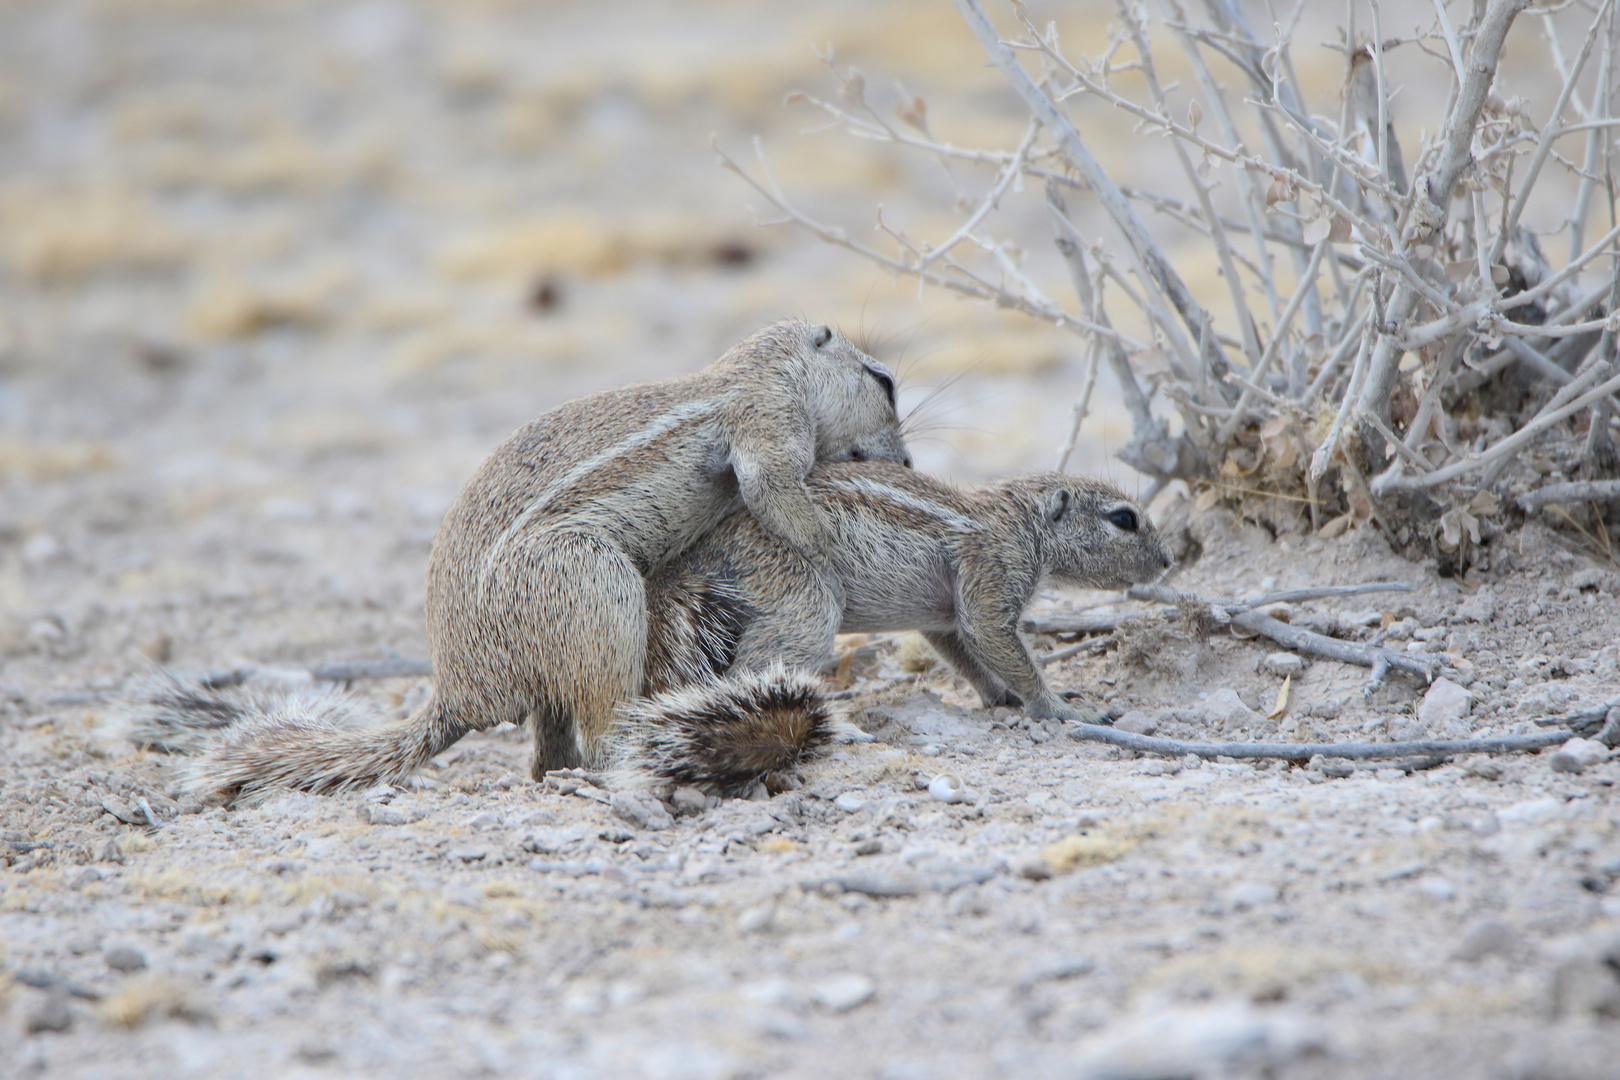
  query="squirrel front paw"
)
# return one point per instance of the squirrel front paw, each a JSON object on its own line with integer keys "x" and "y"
{"x": 1072, "y": 710}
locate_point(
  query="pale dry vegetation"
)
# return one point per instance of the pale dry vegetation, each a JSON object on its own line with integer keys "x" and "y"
{"x": 1396, "y": 344}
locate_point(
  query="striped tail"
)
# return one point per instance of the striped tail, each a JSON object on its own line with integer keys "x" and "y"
{"x": 250, "y": 742}
{"x": 725, "y": 735}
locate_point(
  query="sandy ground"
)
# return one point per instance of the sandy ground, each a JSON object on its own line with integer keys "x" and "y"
{"x": 276, "y": 278}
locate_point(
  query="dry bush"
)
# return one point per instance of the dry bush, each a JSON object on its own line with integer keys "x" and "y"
{"x": 1400, "y": 348}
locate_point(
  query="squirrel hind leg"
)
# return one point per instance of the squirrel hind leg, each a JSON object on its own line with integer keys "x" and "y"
{"x": 723, "y": 736}
{"x": 570, "y": 612}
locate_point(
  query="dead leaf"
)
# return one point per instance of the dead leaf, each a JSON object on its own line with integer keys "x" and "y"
{"x": 1281, "y": 190}
{"x": 1453, "y": 524}
{"x": 1195, "y": 114}
{"x": 1336, "y": 527}
{"x": 1484, "y": 504}
{"x": 1282, "y": 699}
{"x": 1206, "y": 500}
{"x": 1316, "y": 231}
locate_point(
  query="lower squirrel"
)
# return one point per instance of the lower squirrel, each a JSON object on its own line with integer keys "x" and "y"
{"x": 536, "y": 592}
{"x": 911, "y": 553}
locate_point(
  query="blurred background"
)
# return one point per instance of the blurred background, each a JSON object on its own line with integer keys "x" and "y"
{"x": 269, "y": 267}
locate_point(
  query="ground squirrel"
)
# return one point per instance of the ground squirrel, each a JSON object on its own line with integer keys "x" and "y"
{"x": 910, "y": 553}
{"x": 536, "y": 598}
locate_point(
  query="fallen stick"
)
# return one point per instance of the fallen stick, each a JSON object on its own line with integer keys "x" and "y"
{"x": 1346, "y": 652}
{"x": 1063, "y": 654}
{"x": 1104, "y": 622}
{"x": 1079, "y": 622}
{"x": 1149, "y": 744}
{"x": 1163, "y": 594}
{"x": 1581, "y": 491}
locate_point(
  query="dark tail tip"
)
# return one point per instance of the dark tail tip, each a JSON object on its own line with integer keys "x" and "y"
{"x": 725, "y": 736}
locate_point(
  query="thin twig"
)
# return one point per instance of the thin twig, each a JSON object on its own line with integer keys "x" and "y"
{"x": 1149, "y": 744}
{"x": 1575, "y": 492}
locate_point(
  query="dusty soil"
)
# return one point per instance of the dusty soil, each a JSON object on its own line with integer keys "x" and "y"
{"x": 277, "y": 276}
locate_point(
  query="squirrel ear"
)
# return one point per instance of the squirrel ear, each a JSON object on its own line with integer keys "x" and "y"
{"x": 1057, "y": 505}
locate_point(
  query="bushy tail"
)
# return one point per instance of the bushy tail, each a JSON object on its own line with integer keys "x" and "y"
{"x": 722, "y": 735}
{"x": 250, "y": 740}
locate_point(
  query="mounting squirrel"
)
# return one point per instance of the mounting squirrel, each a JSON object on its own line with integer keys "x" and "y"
{"x": 910, "y": 553}
{"x": 536, "y": 591}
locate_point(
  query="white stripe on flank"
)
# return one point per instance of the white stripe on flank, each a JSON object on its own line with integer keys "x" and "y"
{"x": 656, "y": 428}
{"x": 906, "y": 498}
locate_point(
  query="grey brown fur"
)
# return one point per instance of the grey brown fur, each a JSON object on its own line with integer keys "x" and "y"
{"x": 738, "y": 620}
{"x": 910, "y": 552}
{"x": 536, "y": 595}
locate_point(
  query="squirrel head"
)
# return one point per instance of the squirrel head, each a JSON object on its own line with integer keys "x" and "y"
{"x": 1091, "y": 534}
{"x": 850, "y": 396}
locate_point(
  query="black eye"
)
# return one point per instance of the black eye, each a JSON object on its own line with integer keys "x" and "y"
{"x": 857, "y": 454}
{"x": 822, "y": 335}
{"x": 1123, "y": 518}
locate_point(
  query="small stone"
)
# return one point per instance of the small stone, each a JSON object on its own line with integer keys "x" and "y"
{"x": 1228, "y": 712}
{"x": 1484, "y": 938}
{"x": 689, "y": 800}
{"x": 869, "y": 847}
{"x": 483, "y": 820}
{"x": 124, "y": 958}
{"x": 123, "y": 811}
{"x": 1032, "y": 868}
{"x": 1445, "y": 707}
{"x": 841, "y": 993}
{"x": 1281, "y": 664}
{"x": 1250, "y": 894}
{"x": 1480, "y": 608}
{"x": 1407, "y": 729}
{"x": 1578, "y": 755}
{"x": 1531, "y": 812}
{"x": 757, "y": 919}
{"x": 1592, "y": 578}
{"x": 550, "y": 841}
{"x": 1055, "y": 968}
{"x": 1482, "y": 767}
{"x": 1327, "y": 710}
{"x": 640, "y": 810}
{"x": 390, "y": 814}
{"x": 53, "y": 1014}
{"x": 849, "y": 802}
{"x": 1201, "y": 1040}
{"x": 1136, "y": 722}
{"x": 1333, "y": 768}
{"x": 947, "y": 788}
{"x": 1586, "y": 977}
{"x": 1439, "y": 888}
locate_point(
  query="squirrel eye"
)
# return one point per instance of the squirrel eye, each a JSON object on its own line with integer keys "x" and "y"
{"x": 1123, "y": 518}
{"x": 822, "y": 335}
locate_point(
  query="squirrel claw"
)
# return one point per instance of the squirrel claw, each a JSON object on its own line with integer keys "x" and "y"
{"x": 845, "y": 731}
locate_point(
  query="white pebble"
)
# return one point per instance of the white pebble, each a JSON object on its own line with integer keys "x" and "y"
{"x": 1136, "y": 722}
{"x": 1578, "y": 755}
{"x": 849, "y": 802}
{"x": 841, "y": 993}
{"x": 947, "y": 788}
{"x": 1439, "y": 888}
